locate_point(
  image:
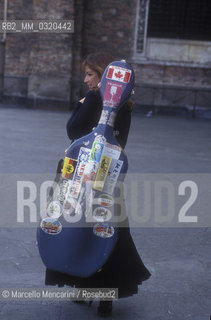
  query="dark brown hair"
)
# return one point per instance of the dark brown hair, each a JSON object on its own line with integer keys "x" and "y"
{"x": 98, "y": 62}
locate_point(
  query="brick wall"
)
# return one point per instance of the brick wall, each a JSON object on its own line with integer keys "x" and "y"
{"x": 172, "y": 75}
{"x": 174, "y": 86}
{"x": 39, "y": 65}
{"x": 48, "y": 66}
{"x": 109, "y": 25}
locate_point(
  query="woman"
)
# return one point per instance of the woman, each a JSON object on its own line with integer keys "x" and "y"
{"x": 124, "y": 269}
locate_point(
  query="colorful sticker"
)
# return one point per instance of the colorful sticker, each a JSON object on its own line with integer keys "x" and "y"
{"x": 78, "y": 178}
{"x": 83, "y": 158}
{"x": 102, "y": 172}
{"x": 102, "y": 214}
{"x": 112, "y": 150}
{"x": 51, "y": 226}
{"x": 54, "y": 209}
{"x": 97, "y": 149}
{"x": 103, "y": 230}
{"x": 112, "y": 176}
{"x": 68, "y": 168}
{"x": 112, "y": 95}
{"x": 105, "y": 200}
{"x": 118, "y": 74}
{"x": 90, "y": 171}
{"x": 84, "y": 154}
{"x": 100, "y": 138}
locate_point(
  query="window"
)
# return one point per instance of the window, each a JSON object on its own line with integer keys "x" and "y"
{"x": 180, "y": 19}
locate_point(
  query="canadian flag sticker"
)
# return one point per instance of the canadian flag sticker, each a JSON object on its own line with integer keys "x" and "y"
{"x": 118, "y": 74}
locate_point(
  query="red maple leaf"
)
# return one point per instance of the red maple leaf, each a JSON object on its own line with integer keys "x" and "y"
{"x": 118, "y": 74}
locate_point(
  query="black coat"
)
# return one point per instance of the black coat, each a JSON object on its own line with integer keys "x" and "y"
{"x": 124, "y": 269}
{"x": 86, "y": 115}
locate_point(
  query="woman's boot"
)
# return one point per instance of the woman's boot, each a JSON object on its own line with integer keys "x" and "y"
{"x": 105, "y": 308}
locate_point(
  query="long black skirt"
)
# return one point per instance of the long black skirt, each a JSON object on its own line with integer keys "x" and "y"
{"x": 123, "y": 270}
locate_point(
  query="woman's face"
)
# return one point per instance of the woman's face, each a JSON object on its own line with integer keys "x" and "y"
{"x": 91, "y": 78}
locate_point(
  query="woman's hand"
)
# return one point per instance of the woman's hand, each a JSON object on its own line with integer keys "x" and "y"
{"x": 82, "y": 100}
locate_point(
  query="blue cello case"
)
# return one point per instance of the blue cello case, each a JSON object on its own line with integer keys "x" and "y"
{"x": 79, "y": 232}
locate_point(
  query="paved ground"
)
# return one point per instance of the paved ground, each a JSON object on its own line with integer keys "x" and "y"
{"x": 178, "y": 258}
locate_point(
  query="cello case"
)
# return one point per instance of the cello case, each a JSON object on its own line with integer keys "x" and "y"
{"x": 79, "y": 232}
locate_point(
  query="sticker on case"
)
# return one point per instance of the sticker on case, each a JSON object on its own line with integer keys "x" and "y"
{"x": 72, "y": 206}
{"x": 63, "y": 189}
{"x": 51, "y": 226}
{"x": 84, "y": 154}
{"x": 112, "y": 151}
{"x": 102, "y": 172}
{"x": 102, "y": 214}
{"x": 112, "y": 95}
{"x": 119, "y": 74}
{"x": 103, "y": 230}
{"x": 111, "y": 119}
{"x": 83, "y": 158}
{"x": 86, "y": 143}
{"x": 54, "y": 209}
{"x": 69, "y": 168}
{"x": 90, "y": 171}
{"x": 96, "y": 152}
{"x": 104, "y": 117}
{"x": 105, "y": 200}
{"x": 100, "y": 138}
{"x": 78, "y": 178}
{"x": 112, "y": 176}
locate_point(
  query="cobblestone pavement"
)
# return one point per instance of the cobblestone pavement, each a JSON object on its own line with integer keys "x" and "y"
{"x": 179, "y": 258}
